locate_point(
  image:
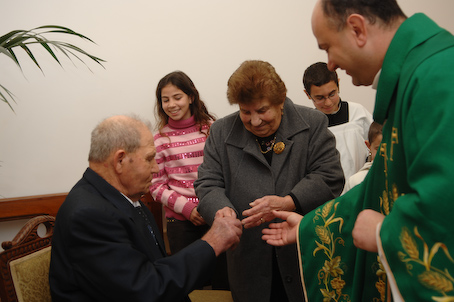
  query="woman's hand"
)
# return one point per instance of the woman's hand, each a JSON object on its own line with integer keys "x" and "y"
{"x": 261, "y": 209}
{"x": 283, "y": 233}
{"x": 226, "y": 212}
{"x": 196, "y": 218}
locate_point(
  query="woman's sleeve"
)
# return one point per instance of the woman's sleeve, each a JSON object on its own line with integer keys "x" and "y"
{"x": 325, "y": 178}
{"x": 210, "y": 184}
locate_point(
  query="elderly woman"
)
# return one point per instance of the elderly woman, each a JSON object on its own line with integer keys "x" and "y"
{"x": 270, "y": 155}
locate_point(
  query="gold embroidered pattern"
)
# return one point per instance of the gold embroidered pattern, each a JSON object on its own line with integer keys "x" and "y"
{"x": 388, "y": 197}
{"x": 433, "y": 278}
{"x": 330, "y": 276}
{"x": 386, "y": 203}
{"x": 381, "y": 285}
{"x": 394, "y": 140}
{"x": 384, "y": 153}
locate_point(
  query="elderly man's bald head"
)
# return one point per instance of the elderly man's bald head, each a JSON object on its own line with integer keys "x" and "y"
{"x": 116, "y": 132}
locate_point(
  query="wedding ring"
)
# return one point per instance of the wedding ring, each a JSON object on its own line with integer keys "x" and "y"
{"x": 262, "y": 220}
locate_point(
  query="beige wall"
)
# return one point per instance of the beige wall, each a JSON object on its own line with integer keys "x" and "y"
{"x": 44, "y": 145}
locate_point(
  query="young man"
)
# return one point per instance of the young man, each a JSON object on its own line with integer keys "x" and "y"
{"x": 402, "y": 212}
{"x": 106, "y": 244}
{"x": 348, "y": 121}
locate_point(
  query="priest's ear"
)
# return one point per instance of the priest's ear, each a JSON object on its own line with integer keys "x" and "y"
{"x": 357, "y": 26}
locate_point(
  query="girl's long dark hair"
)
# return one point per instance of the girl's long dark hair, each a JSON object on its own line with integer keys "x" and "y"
{"x": 184, "y": 83}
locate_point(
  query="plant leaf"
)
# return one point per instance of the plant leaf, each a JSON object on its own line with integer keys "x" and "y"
{"x": 3, "y": 98}
{"x": 30, "y": 54}
{"x": 22, "y": 39}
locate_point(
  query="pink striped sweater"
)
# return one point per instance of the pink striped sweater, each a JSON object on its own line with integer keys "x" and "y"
{"x": 179, "y": 154}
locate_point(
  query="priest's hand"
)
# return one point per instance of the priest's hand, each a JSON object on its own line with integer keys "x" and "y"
{"x": 365, "y": 230}
{"x": 283, "y": 233}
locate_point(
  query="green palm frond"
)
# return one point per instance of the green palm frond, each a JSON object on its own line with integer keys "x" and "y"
{"x": 4, "y": 97}
{"x": 22, "y": 39}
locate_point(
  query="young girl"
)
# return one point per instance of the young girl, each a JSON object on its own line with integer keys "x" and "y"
{"x": 183, "y": 123}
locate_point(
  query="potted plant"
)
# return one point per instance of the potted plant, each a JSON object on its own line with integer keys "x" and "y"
{"x": 22, "y": 39}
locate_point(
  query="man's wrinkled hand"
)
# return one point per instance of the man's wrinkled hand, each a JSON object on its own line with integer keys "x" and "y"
{"x": 225, "y": 232}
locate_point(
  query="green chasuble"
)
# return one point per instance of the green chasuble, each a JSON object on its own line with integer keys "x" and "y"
{"x": 411, "y": 182}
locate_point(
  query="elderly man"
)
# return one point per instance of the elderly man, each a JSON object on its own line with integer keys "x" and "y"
{"x": 106, "y": 244}
{"x": 403, "y": 209}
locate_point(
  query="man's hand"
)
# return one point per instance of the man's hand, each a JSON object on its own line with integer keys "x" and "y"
{"x": 225, "y": 232}
{"x": 283, "y": 233}
{"x": 364, "y": 231}
{"x": 260, "y": 211}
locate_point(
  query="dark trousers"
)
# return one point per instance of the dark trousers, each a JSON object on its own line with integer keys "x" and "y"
{"x": 183, "y": 233}
{"x": 278, "y": 293}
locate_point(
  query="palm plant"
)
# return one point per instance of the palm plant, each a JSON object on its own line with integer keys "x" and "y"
{"x": 22, "y": 39}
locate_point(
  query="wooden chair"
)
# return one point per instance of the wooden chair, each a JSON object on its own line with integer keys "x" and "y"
{"x": 24, "y": 263}
{"x": 207, "y": 295}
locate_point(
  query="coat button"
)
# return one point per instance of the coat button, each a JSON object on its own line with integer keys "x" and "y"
{"x": 288, "y": 279}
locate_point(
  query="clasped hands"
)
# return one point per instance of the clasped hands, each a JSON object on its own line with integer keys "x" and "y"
{"x": 284, "y": 233}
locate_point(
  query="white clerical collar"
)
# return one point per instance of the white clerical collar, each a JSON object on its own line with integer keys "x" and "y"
{"x": 134, "y": 203}
{"x": 375, "y": 82}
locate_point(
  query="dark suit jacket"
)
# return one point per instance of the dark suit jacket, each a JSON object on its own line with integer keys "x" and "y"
{"x": 101, "y": 251}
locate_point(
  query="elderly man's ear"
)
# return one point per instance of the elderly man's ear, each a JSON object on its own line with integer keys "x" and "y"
{"x": 119, "y": 159}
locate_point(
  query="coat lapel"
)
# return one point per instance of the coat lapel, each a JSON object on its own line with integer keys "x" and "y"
{"x": 242, "y": 139}
{"x": 245, "y": 140}
{"x": 292, "y": 123}
{"x": 113, "y": 196}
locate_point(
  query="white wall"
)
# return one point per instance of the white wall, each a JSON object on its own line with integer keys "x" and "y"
{"x": 44, "y": 144}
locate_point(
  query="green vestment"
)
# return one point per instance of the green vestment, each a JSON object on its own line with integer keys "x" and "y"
{"x": 411, "y": 182}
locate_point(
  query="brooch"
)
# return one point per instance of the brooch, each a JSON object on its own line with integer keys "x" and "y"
{"x": 279, "y": 147}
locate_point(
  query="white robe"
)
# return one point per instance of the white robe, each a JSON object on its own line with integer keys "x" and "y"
{"x": 351, "y": 137}
{"x": 357, "y": 178}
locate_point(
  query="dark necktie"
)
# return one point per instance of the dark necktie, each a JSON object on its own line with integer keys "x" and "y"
{"x": 148, "y": 224}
